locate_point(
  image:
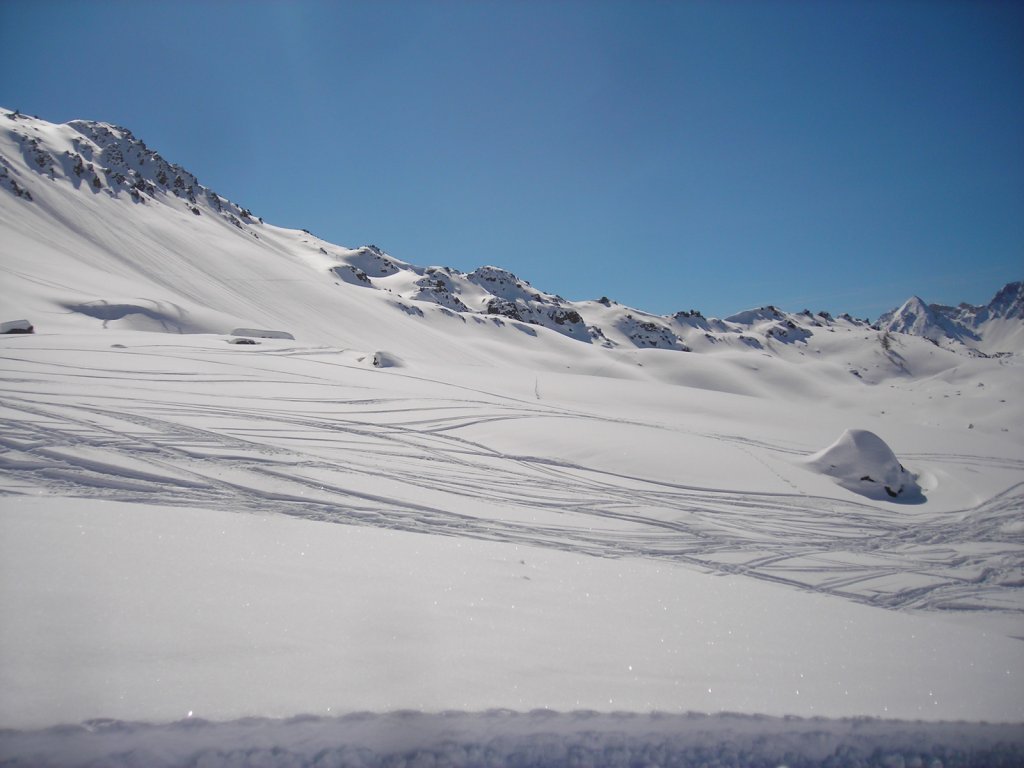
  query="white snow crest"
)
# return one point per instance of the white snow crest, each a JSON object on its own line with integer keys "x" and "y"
{"x": 860, "y": 461}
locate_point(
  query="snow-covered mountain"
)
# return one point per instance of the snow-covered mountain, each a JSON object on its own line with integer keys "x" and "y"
{"x": 248, "y": 473}
{"x": 151, "y": 247}
{"x": 993, "y": 328}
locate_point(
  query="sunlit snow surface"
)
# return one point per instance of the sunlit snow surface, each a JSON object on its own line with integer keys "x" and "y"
{"x": 272, "y": 530}
{"x": 538, "y": 739}
{"x": 384, "y": 504}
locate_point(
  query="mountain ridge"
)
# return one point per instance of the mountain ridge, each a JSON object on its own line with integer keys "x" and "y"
{"x": 974, "y": 327}
{"x": 108, "y": 161}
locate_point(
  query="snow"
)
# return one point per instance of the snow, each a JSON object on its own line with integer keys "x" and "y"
{"x": 992, "y": 329}
{"x": 219, "y": 616}
{"x": 539, "y": 739}
{"x": 16, "y": 326}
{"x": 861, "y": 462}
{"x": 394, "y": 505}
{"x": 638, "y": 546}
{"x": 256, "y": 333}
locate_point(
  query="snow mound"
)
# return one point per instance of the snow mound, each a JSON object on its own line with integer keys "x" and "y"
{"x": 260, "y": 333}
{"x": 862, "y": 462}
{"x": 16, "y": 326}
{"x": 146, "y": 315}
{"x": 382, "y": 359}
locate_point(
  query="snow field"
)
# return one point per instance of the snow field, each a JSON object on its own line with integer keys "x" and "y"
{"x": 538, "y": 739}
{"x": 391, "y": 500}
{"x": 497, "y": 549}
{"x": 138, "y": 612}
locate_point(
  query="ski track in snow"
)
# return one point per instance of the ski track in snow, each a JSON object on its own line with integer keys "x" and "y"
{"x": 325, "y": 459}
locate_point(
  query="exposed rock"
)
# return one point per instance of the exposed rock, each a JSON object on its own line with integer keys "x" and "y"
{"x": 17, "y": 326}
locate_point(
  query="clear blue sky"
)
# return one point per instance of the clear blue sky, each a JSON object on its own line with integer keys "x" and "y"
{"x": 713, "y": 155}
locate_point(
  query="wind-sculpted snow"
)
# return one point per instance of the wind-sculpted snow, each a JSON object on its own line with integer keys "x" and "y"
{"x": 538, "y": 739}
{"x": 861, "y": 462}
{"x": 306, "y": 433}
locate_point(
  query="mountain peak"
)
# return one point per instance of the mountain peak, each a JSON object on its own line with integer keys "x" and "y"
{"x": 974, "y": 327}
{"x": 109, "y": 159}
{"x": 1009, "y": 301}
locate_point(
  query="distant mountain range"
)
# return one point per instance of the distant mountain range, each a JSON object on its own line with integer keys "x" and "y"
{"x": 994, "y": 327}
{"x": 92, "y": 196}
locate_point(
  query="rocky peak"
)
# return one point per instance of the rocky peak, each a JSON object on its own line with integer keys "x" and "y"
{"x": 107, "y": 157}
{"x": 1009, "y": 302}
{"x": 964, "y": 325}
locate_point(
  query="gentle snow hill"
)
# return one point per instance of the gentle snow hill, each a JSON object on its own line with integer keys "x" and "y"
{"x": 509, "y": 538}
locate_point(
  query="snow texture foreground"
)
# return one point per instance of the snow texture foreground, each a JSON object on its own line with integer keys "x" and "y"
{"x": 528, "y": 740}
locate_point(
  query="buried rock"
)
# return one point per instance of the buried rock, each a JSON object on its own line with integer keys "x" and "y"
{"x": 381, "y": 359}
{"x": 261, "y": 333}
{"x": 17, "y": 326}
{"x": 860, "y": 461}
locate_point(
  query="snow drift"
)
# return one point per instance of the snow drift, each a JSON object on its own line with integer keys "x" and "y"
{"x": 860, "y": 461}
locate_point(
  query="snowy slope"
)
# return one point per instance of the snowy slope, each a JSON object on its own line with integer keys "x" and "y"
{"x": 93, "y": 195}
{"x": 568, "y": 521}
{"x": 456, "y": 491}
{"x": 994, "y": 328}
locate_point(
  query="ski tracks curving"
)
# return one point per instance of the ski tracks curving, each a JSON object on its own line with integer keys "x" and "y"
{"x": 401, "y": 462}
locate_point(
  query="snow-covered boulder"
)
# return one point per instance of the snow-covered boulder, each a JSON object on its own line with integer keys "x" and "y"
{"x": 16, "y": 326}
{"x": 382, "y": 359}
{"x": 862, "y": 462}
{"x": 259, "y": 333}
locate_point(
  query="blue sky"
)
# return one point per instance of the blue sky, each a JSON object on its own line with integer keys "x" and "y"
{"x": 670, "y": 155}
